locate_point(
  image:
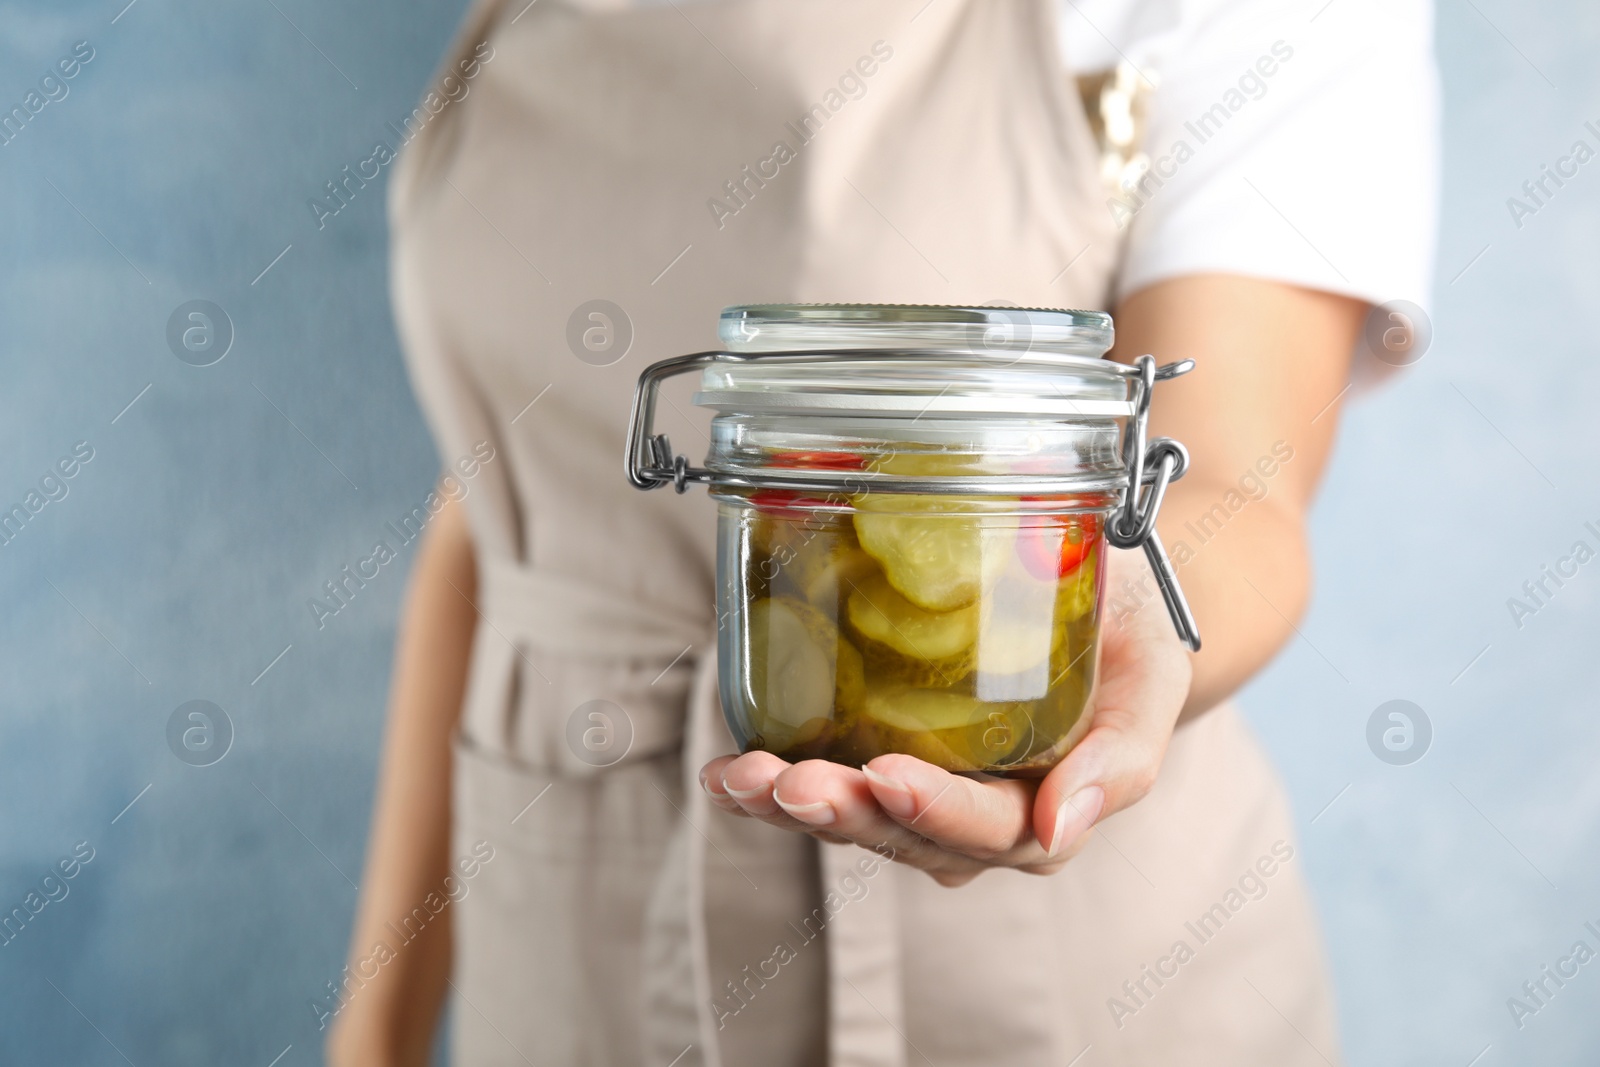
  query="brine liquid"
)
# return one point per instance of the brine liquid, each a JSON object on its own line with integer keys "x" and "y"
{"x": 911, "y": 624}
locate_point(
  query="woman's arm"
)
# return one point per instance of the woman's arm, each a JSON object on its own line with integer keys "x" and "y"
{"x": 1273, "y": 359}
{"x": 1258, "y": 415}
{"x": 390, "y": 1020}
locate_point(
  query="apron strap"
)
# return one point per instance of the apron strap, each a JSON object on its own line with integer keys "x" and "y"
{"x": 866, "y": 1017}
{"x": 699, "y": 744}
{"x": 561, "y": 614}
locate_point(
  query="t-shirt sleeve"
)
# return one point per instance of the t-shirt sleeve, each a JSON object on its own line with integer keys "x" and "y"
{"x": 1292, "y": 144}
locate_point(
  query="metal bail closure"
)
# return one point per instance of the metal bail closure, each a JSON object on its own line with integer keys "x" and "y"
{"x": 1151, "y": 468}
{"x": 651, "y": 461}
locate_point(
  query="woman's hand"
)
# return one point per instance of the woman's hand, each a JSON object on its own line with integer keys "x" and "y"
{"x": 955, "y": 827}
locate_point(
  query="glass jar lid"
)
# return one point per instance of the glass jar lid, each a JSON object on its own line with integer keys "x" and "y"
{"x": 916, "y": 360}
{"x": 1001, "y": 331}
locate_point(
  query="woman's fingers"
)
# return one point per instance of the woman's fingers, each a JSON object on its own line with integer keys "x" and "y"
{"x": 831, "y": 802}
{"x": 1114, "y": 766}
{"x": 838, "y": 800}
{"x": 711, "y": 782}
{"x": 751, "y": 794}
{"x": 984, "y": 820}
{"x": 953, "y": 828}
{"x": 748, "y": 780}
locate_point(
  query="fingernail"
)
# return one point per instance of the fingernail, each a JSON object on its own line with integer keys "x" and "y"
{"x": 1075, "y": 815}
{"x": 819, "y": 814}
{"x": 705, "y": 783}
{"x": 743, "y": 794}
{"x": 895, "y": 797}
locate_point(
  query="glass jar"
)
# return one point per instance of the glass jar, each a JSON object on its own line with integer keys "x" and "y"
{"x": 914, "y": 509}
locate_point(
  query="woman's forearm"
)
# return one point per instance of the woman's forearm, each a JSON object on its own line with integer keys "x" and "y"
{"x": 1248, "y": 579}
{"x": 390, "y": 1018}
{"x": 1258, "y": 415}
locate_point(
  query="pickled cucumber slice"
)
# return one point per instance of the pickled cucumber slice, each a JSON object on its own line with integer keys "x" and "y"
{"x": 885, "y": 665}
{"x": 947, "y": 749}
{"x": 791, "y": 665}
{"x": 771, "y": 534}
{"x": 917, "y": 710}
{"x": 948, "y": 729}
{"x": 826, "y": 574}
{"x": 933, "y": 550}
{"x": 807, "y": 733}
{"x": 879, "y": 613}
{"x": 788, "y": 535}
{"x": 901, "y": 643}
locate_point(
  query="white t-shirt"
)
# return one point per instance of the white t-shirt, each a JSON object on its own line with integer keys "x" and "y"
{"x": 1322, "y": 172}
{"x": 1294, "y": 140}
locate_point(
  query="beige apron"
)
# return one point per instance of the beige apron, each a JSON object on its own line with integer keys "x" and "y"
{"x": 673, "y": 161}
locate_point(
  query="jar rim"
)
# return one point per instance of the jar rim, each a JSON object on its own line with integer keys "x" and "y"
{"x": 1000, "y": 329}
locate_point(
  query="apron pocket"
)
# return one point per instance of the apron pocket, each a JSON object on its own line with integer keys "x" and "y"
{"x": 576, "y": 716}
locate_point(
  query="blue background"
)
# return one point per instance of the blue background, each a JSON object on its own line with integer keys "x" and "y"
{"x": 179, "y": 564}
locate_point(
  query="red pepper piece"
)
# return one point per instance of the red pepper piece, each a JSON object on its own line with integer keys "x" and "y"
{"x": 828, "y": 461}
{"x": 1039, "y": 535}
